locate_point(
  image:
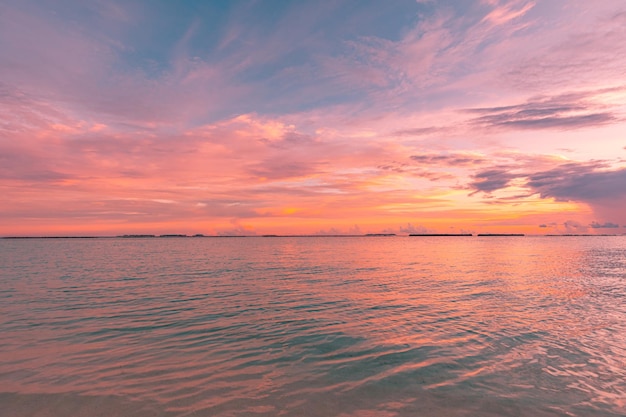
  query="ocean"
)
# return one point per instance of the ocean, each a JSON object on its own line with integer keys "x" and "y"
{"x": 313, "y": 326}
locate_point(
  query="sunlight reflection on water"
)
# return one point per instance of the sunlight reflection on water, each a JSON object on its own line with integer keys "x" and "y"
{"x": 384, "y": 326}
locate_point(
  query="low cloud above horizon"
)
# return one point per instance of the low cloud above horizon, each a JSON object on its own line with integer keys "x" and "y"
{"x": 248, "y": 118}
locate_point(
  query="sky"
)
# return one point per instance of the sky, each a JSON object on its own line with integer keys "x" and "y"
{"x": 326, "y": 117}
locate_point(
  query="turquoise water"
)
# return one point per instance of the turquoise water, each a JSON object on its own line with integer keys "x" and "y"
{"x": 371, "y": 326}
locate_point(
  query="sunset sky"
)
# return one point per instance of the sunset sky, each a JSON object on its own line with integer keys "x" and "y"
{"x": 319, "y": 117}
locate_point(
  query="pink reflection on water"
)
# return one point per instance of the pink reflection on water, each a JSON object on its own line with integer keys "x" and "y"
{"x": 283, "y": 325}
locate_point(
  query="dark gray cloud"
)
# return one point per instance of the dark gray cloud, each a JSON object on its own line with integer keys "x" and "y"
{"x": 552, "y": 122}
{"x": 432, "y": 175}
{"x": 607, "y": 225}
{"x": 456, "y": 159}
{"x": 579, "y": 182}
{"x": 591, "y": 182}
{"x": 399, "y": 168}
{"x": 566, "y": 111}
{"x": 492, "y": 179}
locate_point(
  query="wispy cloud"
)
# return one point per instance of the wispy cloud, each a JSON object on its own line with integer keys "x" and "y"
{"x": 454, "y": 159}
{"x": 565, "y": 111}
{"x": 507, "y": 12}
{"x": 587, "y": 50}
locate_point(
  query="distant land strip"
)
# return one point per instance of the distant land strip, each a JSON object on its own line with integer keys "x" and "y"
{"x": 56, "y": 237}
{"x": 147, "y": 236}
{"x": 441, "y": 234}
{"x": 501, "y": 234}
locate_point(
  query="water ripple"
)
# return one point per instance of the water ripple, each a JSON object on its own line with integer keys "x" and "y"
{"x": 314, "y": 327}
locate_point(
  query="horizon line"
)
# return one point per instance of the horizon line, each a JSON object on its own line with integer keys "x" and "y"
{"x": 170, "y": 236}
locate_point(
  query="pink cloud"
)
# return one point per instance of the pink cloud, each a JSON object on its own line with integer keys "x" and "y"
{"x": 504, "y": 14}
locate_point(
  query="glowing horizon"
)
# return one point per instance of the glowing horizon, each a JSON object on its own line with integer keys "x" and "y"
{"x": 242, "y": 118}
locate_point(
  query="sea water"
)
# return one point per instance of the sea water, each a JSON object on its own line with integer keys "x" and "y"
{"x": 313, "y": 326}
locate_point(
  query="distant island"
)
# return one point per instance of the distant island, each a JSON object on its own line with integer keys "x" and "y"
{"x": 441, "y": 234}
{"x": 501, "y": 234}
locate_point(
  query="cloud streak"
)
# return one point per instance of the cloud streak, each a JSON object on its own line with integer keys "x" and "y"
{"x": 565, "y": 112}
